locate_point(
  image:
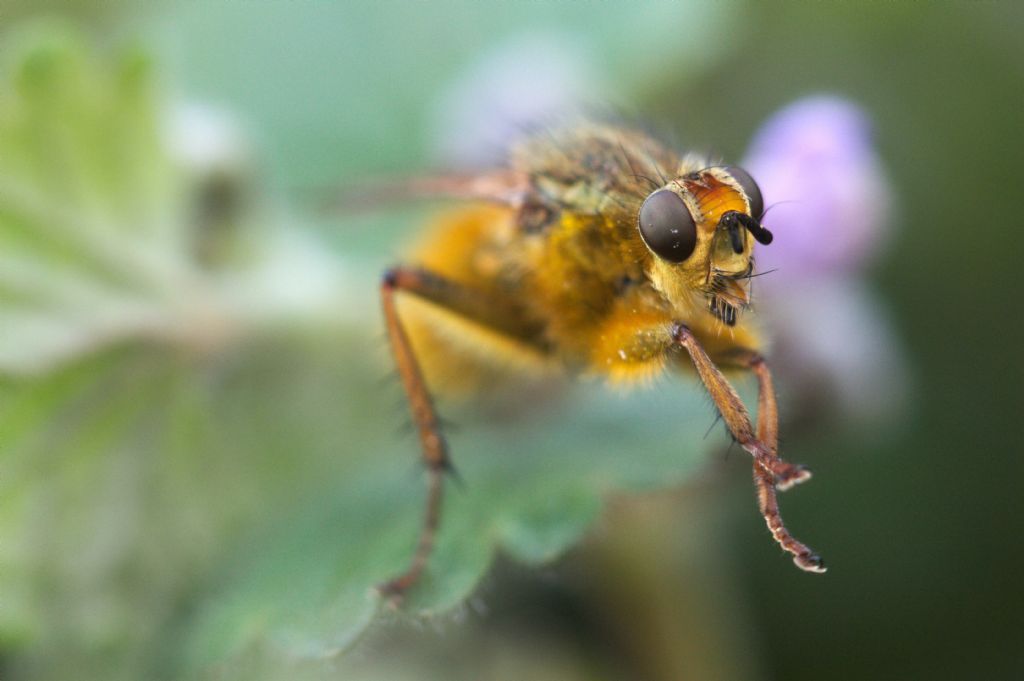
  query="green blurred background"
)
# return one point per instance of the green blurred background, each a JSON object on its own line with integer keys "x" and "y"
{"x": 921, "y": 520}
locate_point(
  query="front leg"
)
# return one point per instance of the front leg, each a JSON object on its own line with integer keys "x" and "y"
{"x": 735, "y": 415}
{"x": 768, "y": 433}
{"x": 630, "y": 346}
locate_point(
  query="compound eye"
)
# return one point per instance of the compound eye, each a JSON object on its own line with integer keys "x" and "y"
{"x": 667, "y": 227}
{"x": 750, "y": 188}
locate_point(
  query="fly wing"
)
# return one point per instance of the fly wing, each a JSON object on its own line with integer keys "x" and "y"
{"x": 595, "y": 169}
{"x": 588, "y": 170}
{"x": 503, "y": 186}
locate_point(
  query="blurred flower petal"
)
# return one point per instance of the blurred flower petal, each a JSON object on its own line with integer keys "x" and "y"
{"x": 827, "y": 197}
{"x": 530, "y": 79}
{"x": 829, "y": 209}
{"x": 834, "y": 346}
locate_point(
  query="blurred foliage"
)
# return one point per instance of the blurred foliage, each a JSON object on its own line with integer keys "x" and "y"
{"x": 352, "y": 89}
{"x": 128, "y": 365}
{"x": 533, "y": 494}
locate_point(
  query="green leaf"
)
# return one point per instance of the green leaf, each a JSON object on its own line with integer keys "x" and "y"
{"x": 125, "y": 356}
{"x": 533, "y": 487}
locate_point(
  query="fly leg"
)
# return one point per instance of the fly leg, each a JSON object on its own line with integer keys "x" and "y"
{"x": 474, "y": 305}
{"x": 768, "y": 434}
{"x": 737, "y": 420}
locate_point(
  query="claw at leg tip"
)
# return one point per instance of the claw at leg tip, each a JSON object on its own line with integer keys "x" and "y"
{"x": 391, "y": 594}
{"x": 802, "y": 474}
{"x": 811, "y": 563}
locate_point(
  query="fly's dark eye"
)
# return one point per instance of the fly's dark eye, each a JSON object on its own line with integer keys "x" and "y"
{"x": 750, "y": 188}
{"x": 667, "y": 227}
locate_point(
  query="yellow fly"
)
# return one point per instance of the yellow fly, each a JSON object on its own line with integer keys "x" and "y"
{"x": 594, "y": 250}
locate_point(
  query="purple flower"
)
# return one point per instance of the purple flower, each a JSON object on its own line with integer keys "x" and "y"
{"x": 827, "y": 197}
{"x": 829, "y": 209}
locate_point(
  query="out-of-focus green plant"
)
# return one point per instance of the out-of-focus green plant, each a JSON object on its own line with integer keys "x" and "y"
{"x": 181, "y": 361}
{"x": 130, "y": 430}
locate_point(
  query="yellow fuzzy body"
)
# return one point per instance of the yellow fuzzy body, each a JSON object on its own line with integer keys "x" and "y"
{"x": 596, "y": 251}
{"x": 584, "y": 275}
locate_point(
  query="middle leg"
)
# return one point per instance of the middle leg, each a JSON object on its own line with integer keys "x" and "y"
{"x": 473, "y": 305}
